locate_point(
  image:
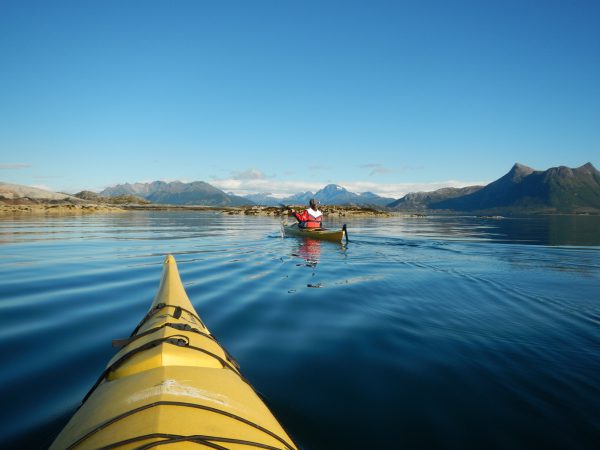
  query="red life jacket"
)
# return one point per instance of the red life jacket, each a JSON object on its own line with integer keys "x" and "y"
{"x": 309, "y": 218}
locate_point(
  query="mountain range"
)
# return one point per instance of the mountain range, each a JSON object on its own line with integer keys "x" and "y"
{"x": 522, "y": 189}
{"x": 332, "y": 194}
{"x": 177, "y": 193}
{"x": 201, "y": 193}
{"x": 423, "y": 200}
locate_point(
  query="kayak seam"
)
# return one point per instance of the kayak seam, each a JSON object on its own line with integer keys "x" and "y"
{"x": 182, "y": 404}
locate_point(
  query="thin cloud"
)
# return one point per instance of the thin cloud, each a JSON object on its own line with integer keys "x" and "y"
{"x": 410, "y": 168}
{"x": 14, "y": 166}
{"x": 284, "y": 188}
{"x": 249, "y": 174}
{"x": 278, "y": 188}
{"x": 44, "y": 187}
{"x": 381, "y": 169}
{"x": 378, "y": 169}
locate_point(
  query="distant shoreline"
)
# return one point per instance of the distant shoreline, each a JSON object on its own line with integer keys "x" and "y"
{"x": 57, "y": 209}
{"x": 330, "y": 211}
{"x": 54, "y": 208}
{"x": 62, "y": 208}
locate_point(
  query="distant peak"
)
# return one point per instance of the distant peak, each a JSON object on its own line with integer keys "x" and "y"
{"x": 519, "y": 171}
{"x": 518, "y": 167}
{"x": 333, "y": 187}
{"x": 587, "y": 167}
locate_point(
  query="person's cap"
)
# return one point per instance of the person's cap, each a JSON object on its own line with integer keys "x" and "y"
{"x": 314, "y": 202}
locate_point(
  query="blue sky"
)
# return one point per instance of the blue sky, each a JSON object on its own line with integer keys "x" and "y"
{"x": 279, "y": 95}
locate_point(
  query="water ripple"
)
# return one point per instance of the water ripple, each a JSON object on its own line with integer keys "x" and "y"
{"x": 405, "y": 336}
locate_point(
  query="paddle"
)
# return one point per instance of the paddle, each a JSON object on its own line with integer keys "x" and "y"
{"x": 345, "y": 230}
{"x": 282, "y": 206}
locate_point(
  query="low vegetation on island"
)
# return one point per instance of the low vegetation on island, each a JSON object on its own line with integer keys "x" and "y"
{"x": 123, "y": 199}
{"x": 17, "y": 199}
{"x": 328, "y": 211}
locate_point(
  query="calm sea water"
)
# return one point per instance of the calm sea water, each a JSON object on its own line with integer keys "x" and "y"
{"x": 421, "y": 333}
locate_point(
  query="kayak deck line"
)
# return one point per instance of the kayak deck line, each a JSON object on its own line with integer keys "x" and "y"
{"x": 180, "y": 404}
{"x": 172, "y": 383}
{"x": 176, "y": 315}
{"x": 177, "y": 326}
{"x": 208, "y": 441}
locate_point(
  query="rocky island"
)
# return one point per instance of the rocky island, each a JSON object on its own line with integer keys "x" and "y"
{"x": 19, "y": 200}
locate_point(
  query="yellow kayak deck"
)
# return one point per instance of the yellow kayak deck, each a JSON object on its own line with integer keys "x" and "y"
{"x": 172, "y": 385}
{"x": 316, "y": 233}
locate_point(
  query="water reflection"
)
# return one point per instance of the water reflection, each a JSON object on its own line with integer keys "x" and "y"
{"x": 309, "y": 250}
{"x": 565, "y": 230}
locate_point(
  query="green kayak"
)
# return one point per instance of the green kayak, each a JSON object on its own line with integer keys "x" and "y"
{"x": 316, "y": 233}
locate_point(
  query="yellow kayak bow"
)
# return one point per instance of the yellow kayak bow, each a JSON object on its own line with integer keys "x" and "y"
{"x": 172, "y": 385}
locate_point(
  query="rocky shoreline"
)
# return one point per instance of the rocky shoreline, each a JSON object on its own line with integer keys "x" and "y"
{"x": 63, "y": 208}
{"x": 328, "y": 211}
{"x": 57, "y": 209}
{"x": 13, "y": 207}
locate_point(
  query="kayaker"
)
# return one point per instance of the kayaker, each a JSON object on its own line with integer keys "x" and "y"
{"x": 311, "y": 217}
